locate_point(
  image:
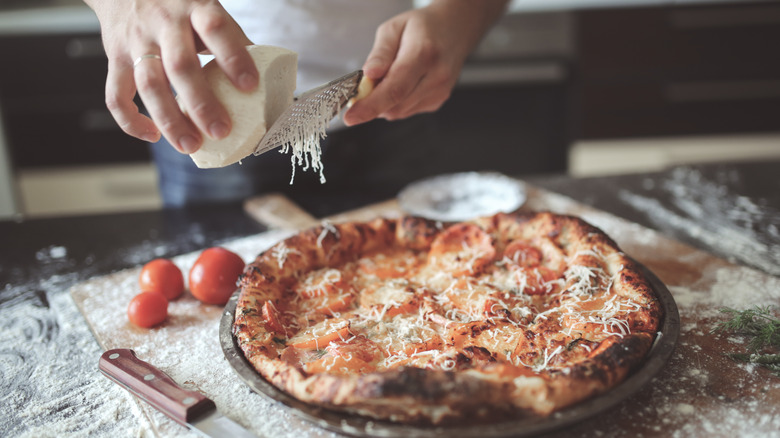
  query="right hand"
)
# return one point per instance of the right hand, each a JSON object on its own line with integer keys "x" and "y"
{"x": 176, "y": 31}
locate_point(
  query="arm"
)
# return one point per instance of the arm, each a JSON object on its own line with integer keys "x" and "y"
{"x": 417, "y": 57}
{"x": 175, "y": 31}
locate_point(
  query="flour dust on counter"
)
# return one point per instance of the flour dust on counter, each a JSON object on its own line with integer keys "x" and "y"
{"x": 64, "y": 398}
{"x": 744, "y": 410}
{"x": 704, "y": 209}
{"x": 671, "y": 405}
{"x": 701, "y": 391}
{"x": 187, "y": 348}
{"x": 49, "y": 382}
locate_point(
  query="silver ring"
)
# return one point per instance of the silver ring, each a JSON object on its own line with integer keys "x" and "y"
{"x": 147, "y": 56}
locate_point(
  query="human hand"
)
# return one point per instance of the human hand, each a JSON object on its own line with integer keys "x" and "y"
{"x": 418, "y": 55}
{"x": 152, "y": 45}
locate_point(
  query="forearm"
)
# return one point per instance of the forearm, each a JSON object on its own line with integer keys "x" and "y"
{"x": 473, "y": 18}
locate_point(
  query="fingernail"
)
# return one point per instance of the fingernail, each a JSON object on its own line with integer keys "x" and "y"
{"x": 188, "y": 144}
{"x": 151, "y": 137}
{"x": 247, "y": 81}
{"x": 351, "y": 120}
{"x": 218, "y": 129}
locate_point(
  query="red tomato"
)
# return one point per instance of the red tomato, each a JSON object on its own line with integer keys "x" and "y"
{"x": 148, "y": 309}
{"x": 163, "y": 276}
{"x": 214, "y": 275}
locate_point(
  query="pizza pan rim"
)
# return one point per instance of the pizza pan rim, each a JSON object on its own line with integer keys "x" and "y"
{"x": 359, "y": 426}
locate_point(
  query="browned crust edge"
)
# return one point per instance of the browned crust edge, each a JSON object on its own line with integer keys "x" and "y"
{"x": 413, "y": 395}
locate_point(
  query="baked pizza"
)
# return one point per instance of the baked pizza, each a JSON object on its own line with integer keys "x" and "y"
{"x": 417, "y": 321}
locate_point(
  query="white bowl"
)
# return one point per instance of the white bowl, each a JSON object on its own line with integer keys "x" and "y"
{"x": 462, "y": 196}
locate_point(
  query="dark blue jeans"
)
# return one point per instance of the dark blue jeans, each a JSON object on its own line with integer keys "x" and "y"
{"x": 181, "y": 182}
{"x": 380, "y": 156}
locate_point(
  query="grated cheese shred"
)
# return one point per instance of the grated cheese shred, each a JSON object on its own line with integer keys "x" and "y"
{"x": 509, "y": 298}
{"x": 303, "y": 139}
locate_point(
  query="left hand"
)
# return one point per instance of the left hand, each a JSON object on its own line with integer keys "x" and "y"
{"x": 418, "y": 55}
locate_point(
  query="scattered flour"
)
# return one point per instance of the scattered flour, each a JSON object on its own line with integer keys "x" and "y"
{"x": 690, "y": 397}
{"x": 71, "y": 398}
{"x": 67, "y": 397}
{"x": 735, "y": 287}
{"x": 685, "y": 409}
{"x": 187, "y": 348}
{"x": 706, "y": 211}
{"x": 51, "y": 253}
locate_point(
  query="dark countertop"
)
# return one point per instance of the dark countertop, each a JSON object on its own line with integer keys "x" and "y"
{"x": 732, "y": 210}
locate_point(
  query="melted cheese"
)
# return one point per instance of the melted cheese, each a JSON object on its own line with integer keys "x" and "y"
{"x": 495, "y": 311}
{"x": 280, "y": 253}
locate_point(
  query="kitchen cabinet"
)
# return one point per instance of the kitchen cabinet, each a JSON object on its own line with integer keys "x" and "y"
{"x": 676, "y": 71}
{"x": 59, "y": 136}
{"x": 53, "y": 103}
{"x": 56, "y": 135}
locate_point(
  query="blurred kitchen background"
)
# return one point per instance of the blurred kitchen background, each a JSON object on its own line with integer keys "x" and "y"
{"x": 588, "y": 87}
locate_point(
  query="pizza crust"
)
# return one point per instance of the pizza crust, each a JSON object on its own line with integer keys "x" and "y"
{"x": 446, "y": 346}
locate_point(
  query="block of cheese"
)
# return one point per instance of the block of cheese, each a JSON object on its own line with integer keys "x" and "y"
{"x": 252, "y": 114}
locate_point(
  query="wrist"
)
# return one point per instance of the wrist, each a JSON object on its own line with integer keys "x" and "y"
{"x": 482, "y": 13}
{"x": 470, "y": 19}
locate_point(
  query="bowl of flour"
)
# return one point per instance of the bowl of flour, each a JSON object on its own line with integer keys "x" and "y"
{"x": 462, "y": 196}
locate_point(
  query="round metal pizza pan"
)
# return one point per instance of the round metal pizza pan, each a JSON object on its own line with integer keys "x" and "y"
{"x": 359, "y": 426}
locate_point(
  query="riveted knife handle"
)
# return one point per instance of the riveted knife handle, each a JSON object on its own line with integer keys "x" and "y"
{"x": 152, "y": 385}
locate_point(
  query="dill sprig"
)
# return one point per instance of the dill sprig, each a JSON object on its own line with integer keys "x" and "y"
{"x": 762, "y": 328}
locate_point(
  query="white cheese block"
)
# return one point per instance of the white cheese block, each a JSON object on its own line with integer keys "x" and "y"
{"x": 252, "y": 114}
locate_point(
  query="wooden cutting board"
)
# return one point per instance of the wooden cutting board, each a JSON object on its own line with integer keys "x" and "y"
{"x": 700, "y": 392}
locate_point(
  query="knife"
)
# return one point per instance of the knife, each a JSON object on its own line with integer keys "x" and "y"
{"x": 188, "y": 408}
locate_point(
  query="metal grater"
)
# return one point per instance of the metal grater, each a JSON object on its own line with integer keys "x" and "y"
{"x": 310, "y": 113}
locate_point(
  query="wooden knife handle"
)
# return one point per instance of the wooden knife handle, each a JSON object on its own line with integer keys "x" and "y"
{"x": 153, "y": 386}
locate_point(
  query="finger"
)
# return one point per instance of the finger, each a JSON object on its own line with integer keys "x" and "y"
{"x": 120, "y": 91}
{"x": 155, "y": 91}
{"x": 416, "y": 54}
{"x": 227, "y": 42}
{"x": 427, "y": 105}
{"x": 429, "y": 95}
{"x": 194, "y": 92}
{"x": 396, "y": 87}
{"x": 386, "y": 43}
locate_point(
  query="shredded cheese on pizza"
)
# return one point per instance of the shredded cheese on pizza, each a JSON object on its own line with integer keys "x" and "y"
{"x": 472, "y": 302}
{"x": 404, "y": 337}
{"x": 280, "y": 253}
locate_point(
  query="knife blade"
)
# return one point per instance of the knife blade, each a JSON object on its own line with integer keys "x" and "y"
{"x": 188, "y": 408}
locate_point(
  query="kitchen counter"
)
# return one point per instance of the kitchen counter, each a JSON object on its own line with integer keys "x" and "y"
{"x": 50, "y": 385}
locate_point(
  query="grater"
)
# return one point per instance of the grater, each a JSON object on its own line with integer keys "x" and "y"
{"x": 307, "y": 119}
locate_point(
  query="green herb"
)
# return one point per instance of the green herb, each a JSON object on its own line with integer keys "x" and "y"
{"x": 763, "y": 328}
{"x": 279, "y": 340}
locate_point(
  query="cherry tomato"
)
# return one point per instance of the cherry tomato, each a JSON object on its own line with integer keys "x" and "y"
{"x": 148, "y": 309}
{"x": 214, "y": 275}
{"x": 163, "y": 276}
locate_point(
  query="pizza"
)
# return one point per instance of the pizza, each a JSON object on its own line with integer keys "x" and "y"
{"x": 417, "y": 321}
